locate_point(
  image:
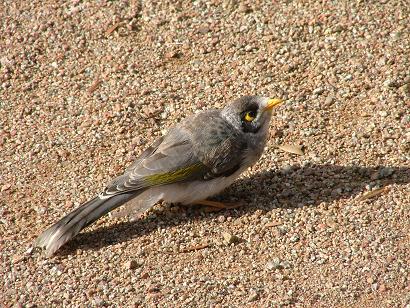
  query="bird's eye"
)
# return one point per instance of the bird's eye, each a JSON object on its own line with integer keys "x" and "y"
{"x": 250, "y": 116}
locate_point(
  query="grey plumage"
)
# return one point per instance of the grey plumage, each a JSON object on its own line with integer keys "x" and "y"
{"x": 196, "y": 159}
{"x": 69, "y": 226}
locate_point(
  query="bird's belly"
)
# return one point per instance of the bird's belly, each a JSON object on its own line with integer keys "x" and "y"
{"x": 188, "y": 193}
{"x": 185, "y": 193}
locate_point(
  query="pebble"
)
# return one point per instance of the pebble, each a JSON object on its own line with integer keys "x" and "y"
{"x": 253, "y": 296}
{"x": 244, "y": 8}
{"x": 131, "y": 264}
{"x": 390, "y": 83}
{"x": 17, "y": 258}
{"x": 318, "y": 91}
{"x": 405, "y": 89}
{"x": 382, "y": 173}
{"x": 348, "y": 77}
{"x": 230, "y": 238}
{"x": 295, "y": 238}
{"x": 275, "y": 263}
{"x": 77, "y": 107}
{"x": 221, "y": 218}
{"x": 5, "y": 187}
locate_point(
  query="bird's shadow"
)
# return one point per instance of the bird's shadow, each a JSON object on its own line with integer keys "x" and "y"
{"x": 294, "y": 187}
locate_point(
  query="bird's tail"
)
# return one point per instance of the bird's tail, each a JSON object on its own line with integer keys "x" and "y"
{"x": 70, "y": 225}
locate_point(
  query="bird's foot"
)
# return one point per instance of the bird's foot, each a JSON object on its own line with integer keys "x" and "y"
{"x": 216, "y": 206}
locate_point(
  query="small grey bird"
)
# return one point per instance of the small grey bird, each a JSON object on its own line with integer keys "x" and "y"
{"x": 196, "y": 159}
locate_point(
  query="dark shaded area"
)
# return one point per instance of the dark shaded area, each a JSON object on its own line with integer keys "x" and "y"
{"x": 295, "y": 187}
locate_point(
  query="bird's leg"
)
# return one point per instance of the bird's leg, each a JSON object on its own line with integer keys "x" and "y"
{"x": 215, "y": 206}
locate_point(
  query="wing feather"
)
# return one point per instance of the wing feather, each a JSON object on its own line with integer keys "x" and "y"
{"x": 168, "y": 160}
{"x": 195, "y": 151}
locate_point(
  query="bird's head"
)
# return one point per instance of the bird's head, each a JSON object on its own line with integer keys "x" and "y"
{"x": 251, "y": 113}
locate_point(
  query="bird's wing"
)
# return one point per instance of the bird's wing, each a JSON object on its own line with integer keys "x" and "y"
{"x": 184, "y": 154}
{"x": 149, "y": 151}
{"x": 169, "y": 160}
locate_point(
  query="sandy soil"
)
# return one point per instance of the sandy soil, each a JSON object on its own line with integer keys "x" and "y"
{"x": 85, "y": 86}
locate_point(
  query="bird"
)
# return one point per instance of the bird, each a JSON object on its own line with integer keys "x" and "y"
{"x": 196, "y": 159}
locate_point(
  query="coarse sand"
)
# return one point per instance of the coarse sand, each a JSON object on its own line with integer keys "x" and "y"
{"x": 85, "y": 86}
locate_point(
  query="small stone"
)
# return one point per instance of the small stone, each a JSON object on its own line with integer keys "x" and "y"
{"x": 40, "y": 210}
{"x": 56, "y": 270}
{"x": 5, "y": 187}
{"x": 29, "y": 251}
{"x": 396, "y": 35}
{"x": 287, "y": 169}
{"x": 348, "y": 77}
{"x": 405, "y": 89}
{"x": 174, "y": 55}
{"x": 318, "y": 91}
{"x": 295, "y": 238}
{"x": 280, "y": 276}
{"x": 131, "y": 264}
{"x": 253, "y": 296}
{"x": 390, "y": 83}
{"x": 203, "y": 30}
{"x": 67, "y": 295}
{"x": 405, "y": 119}
{"x": 153, "y": 289}
{"x": 98, "y": 301}
{"x": 17, "y": 258}
{"x": 221, "y": 218}
{"x": 248, "y": 48}
{"x": 282, "y": 230}
{"x": 144, "y": 275}
{"x": 244, "y": 8}
{"x": 329, "y": 100}
{"x": 382, "y": 173}
{"x": 338, "y": 28}
{"x": 274, "y": 264}
{"x": 331, "y": 223}
{"x": 385, "y": 172}
{"x": 230, "y": 238}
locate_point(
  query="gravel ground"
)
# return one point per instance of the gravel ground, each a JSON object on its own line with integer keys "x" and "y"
{"x": 82, "y": 82}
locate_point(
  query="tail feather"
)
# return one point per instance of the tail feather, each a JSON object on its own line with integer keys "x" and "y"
{"x": 70, "y": 225}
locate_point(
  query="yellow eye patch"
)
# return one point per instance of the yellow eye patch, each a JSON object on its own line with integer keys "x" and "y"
{"x": 249, "y": 116}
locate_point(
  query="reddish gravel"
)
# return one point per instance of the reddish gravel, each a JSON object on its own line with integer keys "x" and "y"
{"x": 85, "y": 86}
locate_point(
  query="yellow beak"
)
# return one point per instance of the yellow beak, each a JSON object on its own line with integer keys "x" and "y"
{"x": 272, "y": 102}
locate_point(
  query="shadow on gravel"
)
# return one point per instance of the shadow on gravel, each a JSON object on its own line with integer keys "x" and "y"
{"x": 292, "y": 188}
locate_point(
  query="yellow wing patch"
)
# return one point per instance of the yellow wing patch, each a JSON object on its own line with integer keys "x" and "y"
{"x": 173, "y": 176}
